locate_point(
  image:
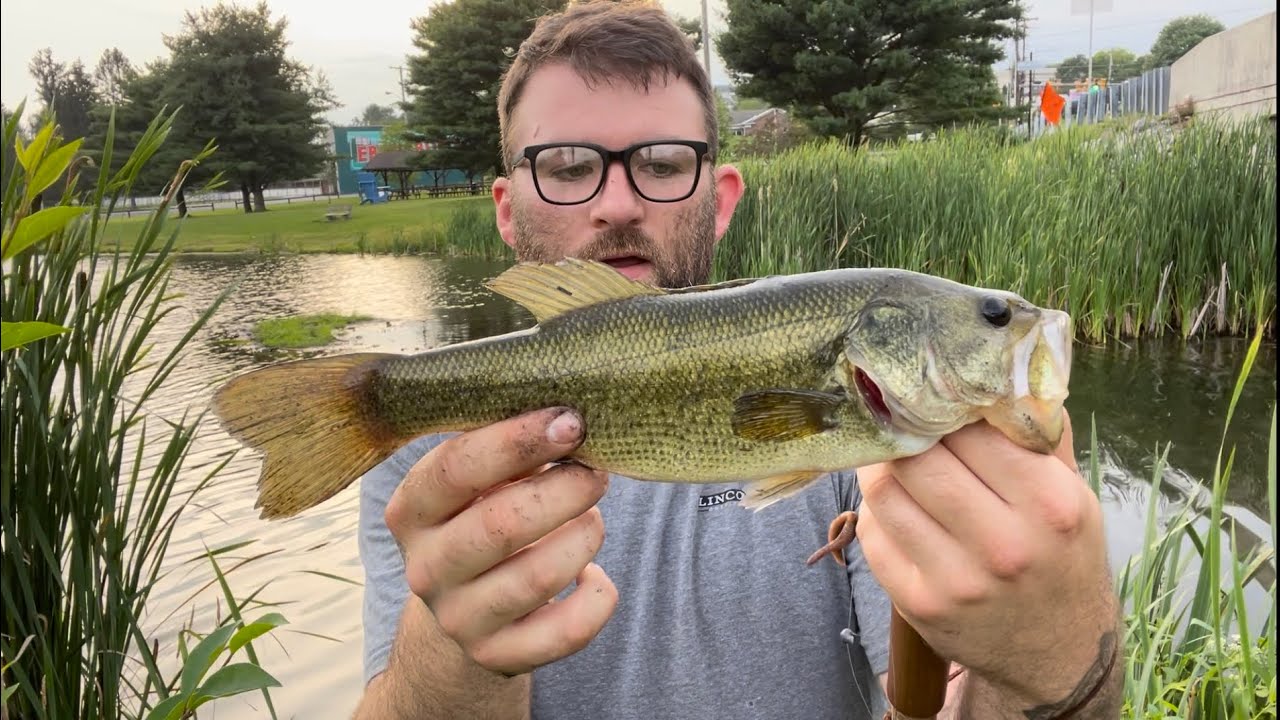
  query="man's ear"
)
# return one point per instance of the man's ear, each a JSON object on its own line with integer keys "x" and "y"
{"x": 502, "y": 203}
{"x": 729, "y": 189}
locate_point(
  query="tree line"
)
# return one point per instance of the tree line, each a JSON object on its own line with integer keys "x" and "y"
{"x": 228, "y": 74}
{"x": 1176, "y": 39}
{"x": 849, "y": 69}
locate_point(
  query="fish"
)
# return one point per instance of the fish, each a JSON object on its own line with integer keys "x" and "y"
{"x": 770, "y": 381}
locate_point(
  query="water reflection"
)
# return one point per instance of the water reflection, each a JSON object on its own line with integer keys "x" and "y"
{"x": 1141, "y": 394}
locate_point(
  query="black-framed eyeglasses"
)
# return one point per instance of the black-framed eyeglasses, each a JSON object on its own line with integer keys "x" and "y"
{"x": 659, "y": 171}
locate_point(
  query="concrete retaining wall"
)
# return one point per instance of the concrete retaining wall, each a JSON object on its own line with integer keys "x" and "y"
{"x": 1232, "y": 73}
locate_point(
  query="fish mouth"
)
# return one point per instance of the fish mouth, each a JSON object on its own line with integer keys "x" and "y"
{"x": 1032, "y": 414}
{"x": 872, "y": 397}
{"x": 631, "y": 266}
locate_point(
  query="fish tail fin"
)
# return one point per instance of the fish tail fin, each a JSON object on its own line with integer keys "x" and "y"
{"x": 316, "y": 423}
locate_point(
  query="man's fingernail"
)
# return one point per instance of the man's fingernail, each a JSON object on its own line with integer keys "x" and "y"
{"x": 565, "y": 429}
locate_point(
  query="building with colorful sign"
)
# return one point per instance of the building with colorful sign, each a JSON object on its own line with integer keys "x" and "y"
{"x": 355, "y": 145}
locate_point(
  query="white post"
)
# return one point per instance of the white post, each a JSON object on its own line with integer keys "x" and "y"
{"x": 1089, "y": 79}
{"x": 706, "y": 42}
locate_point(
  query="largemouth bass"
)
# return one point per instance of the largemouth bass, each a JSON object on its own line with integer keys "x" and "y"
{"x": 773, "y": 381}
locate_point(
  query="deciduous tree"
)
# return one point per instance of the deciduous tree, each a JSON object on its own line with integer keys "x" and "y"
{"x": 230, "y": 74}
{"x": 1180, "y": 35}
{"x": 844, "y": 65}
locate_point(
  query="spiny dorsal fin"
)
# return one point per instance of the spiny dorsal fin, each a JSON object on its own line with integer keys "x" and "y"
{"x": 548, "y": 290}
{"x": 780, "y": 415}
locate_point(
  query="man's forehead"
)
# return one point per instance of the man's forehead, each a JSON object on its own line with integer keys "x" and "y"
{"x": 557, "y": 104}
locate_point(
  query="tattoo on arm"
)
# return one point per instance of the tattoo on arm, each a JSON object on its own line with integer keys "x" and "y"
{"x": 1093, "y": 686}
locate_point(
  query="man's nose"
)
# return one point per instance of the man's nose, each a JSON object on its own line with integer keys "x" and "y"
{"x": 617, "y": 203}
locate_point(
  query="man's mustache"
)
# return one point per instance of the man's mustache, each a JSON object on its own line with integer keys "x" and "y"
{"x": 618, "y": 242}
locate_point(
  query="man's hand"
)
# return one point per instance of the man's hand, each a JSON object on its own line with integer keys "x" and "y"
{"x": 491, "y": 534}
{"x": 997, "y": 556}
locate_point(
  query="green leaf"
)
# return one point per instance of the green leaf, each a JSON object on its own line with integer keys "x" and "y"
{"x": 38, "y": 226}
{"x": 257, "y": 628}
{"x": 17, "y": 334}
{"x": 52, "y": 167}
{"x": 31, "y": 154}
{"x": 170, "y": 708}
{"x": 233, "y": 680}
{"x": 203, "y": 655}
{"x": 331, "y": 576}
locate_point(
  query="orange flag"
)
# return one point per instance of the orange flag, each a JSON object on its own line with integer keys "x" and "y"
{"x": 1051, "y": 104}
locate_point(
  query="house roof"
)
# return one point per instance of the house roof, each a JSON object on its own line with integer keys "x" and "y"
{"x": 747, "y": 118}
{"x": 391, "y": 160}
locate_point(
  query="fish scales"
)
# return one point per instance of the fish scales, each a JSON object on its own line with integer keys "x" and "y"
{"x": 655, "y": 377}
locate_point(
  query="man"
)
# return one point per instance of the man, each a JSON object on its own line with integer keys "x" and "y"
{"x": 492, "y": 591}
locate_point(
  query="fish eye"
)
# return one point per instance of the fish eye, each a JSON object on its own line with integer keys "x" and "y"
{"x": 996, "y": 311}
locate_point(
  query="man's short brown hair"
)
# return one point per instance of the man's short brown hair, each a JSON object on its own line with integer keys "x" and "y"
{"x": 632, "y": 41}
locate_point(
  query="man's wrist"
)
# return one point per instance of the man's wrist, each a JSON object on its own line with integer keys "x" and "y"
{"x": 1099, "y": 692}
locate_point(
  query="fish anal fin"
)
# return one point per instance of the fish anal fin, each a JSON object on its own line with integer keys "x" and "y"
{"x": 313, "y": 421}
{"x": 763, "y": 493}
{"x": 548, "y": 290}
{"x": 780, "y": 415}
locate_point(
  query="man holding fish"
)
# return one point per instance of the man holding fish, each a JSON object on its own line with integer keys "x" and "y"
{"x": 583, "y": 549}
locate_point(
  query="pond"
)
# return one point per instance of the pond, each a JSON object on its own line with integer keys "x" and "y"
{"x": 1142, "y": 395}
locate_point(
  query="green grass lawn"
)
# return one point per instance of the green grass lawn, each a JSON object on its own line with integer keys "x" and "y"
{"x": 302, "y": 227}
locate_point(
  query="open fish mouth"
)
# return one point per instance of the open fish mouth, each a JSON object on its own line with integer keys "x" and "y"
{"x": 873, "y": 397}
{"x": 1031, "y": 412}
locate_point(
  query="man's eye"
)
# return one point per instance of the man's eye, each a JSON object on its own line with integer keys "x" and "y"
{"x": 661, "y": 169}
{"x": 573, "y": 172}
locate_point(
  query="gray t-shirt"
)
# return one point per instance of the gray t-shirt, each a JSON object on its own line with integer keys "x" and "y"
{"x": 717, "y": 615}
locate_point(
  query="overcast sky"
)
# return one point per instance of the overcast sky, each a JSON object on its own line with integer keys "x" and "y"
{"x": 357, "y": 44}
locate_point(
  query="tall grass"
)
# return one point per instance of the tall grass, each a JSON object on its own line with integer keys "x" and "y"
{"x": 87, "y": 486}
{"x": 1191, "y": 651}
{"x": 1132, "y": 231}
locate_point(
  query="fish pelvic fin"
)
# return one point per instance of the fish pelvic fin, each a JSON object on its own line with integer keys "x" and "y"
{"x": 316, "y": 424}
{"x": 779, "y": 415}
{"x": 763, "y": 493}
{"x": 549, "y": 290}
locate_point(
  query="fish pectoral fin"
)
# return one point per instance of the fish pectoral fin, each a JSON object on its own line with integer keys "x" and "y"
{"x": 763, "y": 493}
{"x": 548, "y": 290}
{"x": 779, "y": 415}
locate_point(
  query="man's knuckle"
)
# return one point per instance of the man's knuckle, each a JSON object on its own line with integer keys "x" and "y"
{"x": 420, "y": 579}
{"x": 540, "y": 582}
{"x": 925, "y": 606}
{"x": 487, "y": 654}
{"x": 1008, "y": 561}
{"x": 969, "y": 590}
{"x": 1064, "y": 513}
{"x": 449, "y": 465}
{"x": 452, "y": 620}
{"x": 499, "y": 524}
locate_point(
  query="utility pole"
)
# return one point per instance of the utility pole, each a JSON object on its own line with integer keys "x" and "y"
{"x": 706, "y": 42}
{"x": 401, "y": 68}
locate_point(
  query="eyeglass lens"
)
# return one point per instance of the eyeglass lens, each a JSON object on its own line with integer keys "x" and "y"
{"x": 571, "y": 173}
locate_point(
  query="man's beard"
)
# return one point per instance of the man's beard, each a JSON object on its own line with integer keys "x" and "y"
{"x": 686, "y": 262}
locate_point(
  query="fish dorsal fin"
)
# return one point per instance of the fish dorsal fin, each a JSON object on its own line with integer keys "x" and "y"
{"x": 549, "y": 290}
